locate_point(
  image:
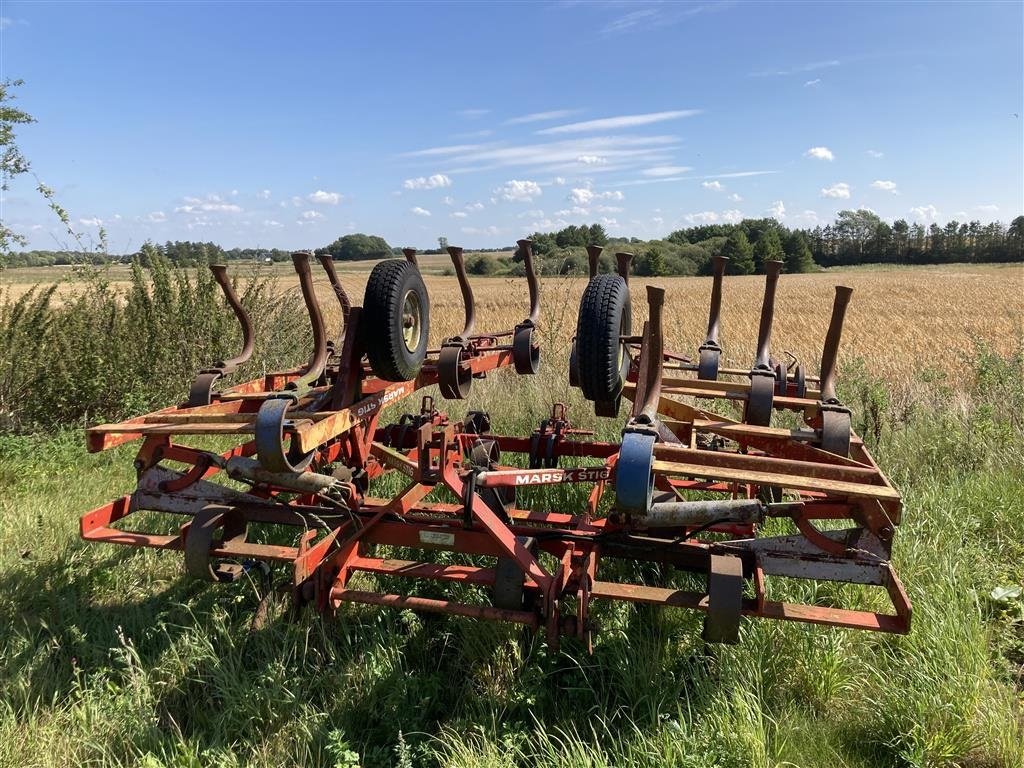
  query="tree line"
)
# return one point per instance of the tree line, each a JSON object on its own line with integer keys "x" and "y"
{"x": 855, "y": 237}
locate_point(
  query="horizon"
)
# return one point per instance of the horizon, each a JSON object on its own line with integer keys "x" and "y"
{"x": 637, "y": 118}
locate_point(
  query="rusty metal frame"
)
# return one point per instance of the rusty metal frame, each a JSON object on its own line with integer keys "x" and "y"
{"x": 336, "y": 416}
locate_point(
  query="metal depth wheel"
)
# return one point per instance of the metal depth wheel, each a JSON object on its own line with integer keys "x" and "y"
{"x": 269, "y": 438}
{"x": 201, "y": 538}
{"x": 395, "y": 321}
{"x": 525, "y": 353}
{"x": 758, "y": 411}
{"x": 634, "y": 473}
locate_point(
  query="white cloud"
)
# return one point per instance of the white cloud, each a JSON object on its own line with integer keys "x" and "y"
{"x": 666, "y": 170}
{"x": 93, "y": 222}
{"x": 585, "y": 195}
{"x": 926, "y": 212}
{"x": 810, "y": 217}
{"x": 271, "y": 224}
{"x": 840, "y": 191}
{"x": 714, "y": 186}
{"x": 477, "y": 206}
{"x": 874, "y": 153}
{"x": 518, "y": 191}
{"x": 987, "y": 208}
{"x": 263, "y": 194}
{"x": 885, "y": 186}
{"x": 622, "y": 121}
{"x": 156, "y": 217}
{"x": 812, "y": 83}
{"x": 312, "y": 215}
{"x": 419, "y": 211}
{"x": 609, "y": 222}
{"x": 735, "y": 198}
{"x": 537, "y": 117}
{"x": 777, "y": 210}
{"x": 559, "y": 181}
{"x": 591, "y": 160}
{"x": 820, "y": 153}
{"x": 448, "y": 200}
{"x": 713, "y": 217}
{"x": 213, "y": 205}
{"x": 324, "y": 198}
{"x": 473, "y": 113}
{"x": 437, "y": 181}
{"x": 459, "y": 215}
{"x": 491, "y": 230}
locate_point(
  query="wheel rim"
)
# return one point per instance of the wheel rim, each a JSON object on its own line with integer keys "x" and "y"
{"x": 412, "y": 321}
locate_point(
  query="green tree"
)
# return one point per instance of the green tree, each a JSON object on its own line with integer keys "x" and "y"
{"x": 740, "y": 254}
{"x": 357, "y": 247}
{"x": 798, "y": 253}
{"x": 768, "y": 248}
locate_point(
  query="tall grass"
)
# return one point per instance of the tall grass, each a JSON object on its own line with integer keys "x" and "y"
{"x": 112, "y": 657}
{"x": 106, "y": 352}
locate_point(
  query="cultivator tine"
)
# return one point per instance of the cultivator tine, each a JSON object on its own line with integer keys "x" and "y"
{"x": 201, "y": 391}
{"x": 764, "y": 330}
{"x": 318, "y": 360}
{"x": 467, "y": 291}
{"x": 593, "y": 254}
{"x": 645, "y": 407}
{"x": 525, "y": 351}
{"x": 711, "y": 350}
{"x": 410, "y": 256}
{"x": 339, "y": 290}
{"x": 835, "y": 417}
{"x": 762, "y": 378}
{"x": 526, "y": 246}
{"x": 622, "y": 261}
{"x": 832, "y": 339}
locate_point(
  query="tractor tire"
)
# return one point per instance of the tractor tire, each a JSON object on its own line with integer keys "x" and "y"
{"x": 602, "y": 358}
{"x": 395, "y": 321}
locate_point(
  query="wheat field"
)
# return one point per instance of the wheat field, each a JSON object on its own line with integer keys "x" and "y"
{"x": 901, "y": 322}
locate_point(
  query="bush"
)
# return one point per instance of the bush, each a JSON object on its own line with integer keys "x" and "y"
{"x": 482, "y": 264}
{"x": 103, "y": 355}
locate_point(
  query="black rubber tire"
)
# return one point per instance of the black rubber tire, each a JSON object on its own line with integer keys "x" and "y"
{"x": 605, "y": 314}
{"x": 381, "y": 322}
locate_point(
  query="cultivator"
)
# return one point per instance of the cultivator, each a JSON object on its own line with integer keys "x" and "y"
{"x": 686, "y": 487}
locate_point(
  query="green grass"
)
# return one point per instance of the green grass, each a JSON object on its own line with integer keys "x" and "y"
{"x": 110, "y": 656}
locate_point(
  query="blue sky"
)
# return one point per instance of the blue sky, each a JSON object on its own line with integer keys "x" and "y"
{"x": 287, "y": 125}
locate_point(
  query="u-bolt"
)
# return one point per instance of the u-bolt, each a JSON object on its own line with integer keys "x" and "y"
{"x": 593, "y": 254}
{"x": 467, "y": 292}
{"x": 622, "y": 261}
{"x": 831, "y": 350}
{"x": 220, "y": 274}
{"x": 714, "y": 315}
{"x": 410, "y": 256}
{"x": 526, "y": 248}
{"x": 316, "y": 364}
{"x": 655, "y": 353}
{"x": 339, "y": 291}
{"x": 764, "y": 331}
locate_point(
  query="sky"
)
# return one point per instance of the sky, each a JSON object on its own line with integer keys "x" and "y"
{"x": 289, "y": 124}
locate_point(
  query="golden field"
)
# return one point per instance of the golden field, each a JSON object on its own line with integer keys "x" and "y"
{"x": 901, "y": 321}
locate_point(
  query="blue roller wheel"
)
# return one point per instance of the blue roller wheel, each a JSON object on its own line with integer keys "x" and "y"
{"x": 634, "y": 473}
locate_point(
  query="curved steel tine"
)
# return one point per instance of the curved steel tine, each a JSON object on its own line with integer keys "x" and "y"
{"x": 410, "y": 256}
{"x": 764, "y": 331}
{"x": 832, "y": 338}
{"x": 655, "y": 352}
{"x": 622, "y": 261}
{"x": 316, "y": 364}
{"x": 327, "y": 262}
{"x": 593, "y": 254}
{"x": 220, "y": 274}
{"x": 714, "y": 314}
{"x": 467, "y": 292}
{"x": 526, "y": 246}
